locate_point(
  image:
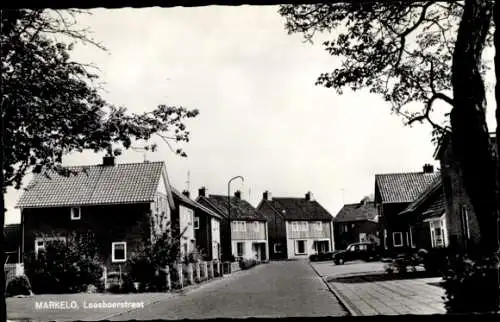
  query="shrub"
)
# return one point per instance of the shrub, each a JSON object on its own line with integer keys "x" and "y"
{"x": 471, "y": 285}
{"x": 436, "y": 260}
{"x": 65, "y": 267}
{"x": 19, "y": 285}
{"x": 126, "y": 285}
{"x": 247, "y": 263}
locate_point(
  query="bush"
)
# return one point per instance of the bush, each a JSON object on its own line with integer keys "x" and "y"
{"x": 64, "y": 267}
{"x": 19, "y": 285}
{"x": 471, "y": 285}
{"x": 126, "y": 285}
{"x": 436, "y": 261}
{"x": 247, "y": 263}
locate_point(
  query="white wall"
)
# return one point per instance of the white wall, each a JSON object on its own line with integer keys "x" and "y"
{"x": 215, "y": 224}
{"x": 186, "y": 217}
{"x": 309, "y": 247}
{"x": 249, "y": 252}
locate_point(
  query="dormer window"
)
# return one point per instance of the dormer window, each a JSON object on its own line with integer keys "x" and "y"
{"x": 76, "y": 213}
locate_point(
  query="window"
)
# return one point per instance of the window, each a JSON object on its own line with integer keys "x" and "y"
{"x": 318, "y": 226}
{"x": 397, "y": 239}
{"x": 363, "y": 247}
{"x": 345, "y": 228}
{"x": 437, "y": 233}
{"x": 385, "y": 239}
{"x": 76, "y": 213}
{"x": 303, "y": 226}
{"x": 412, "y": 242}
{"x": 196, "y": 222}
{"x": 362, "y": 237}
{"x": 295, "y": 226}
{"x": 240, "y": 226}
{"x": 119, "y": 252}
{"x": 240, "y": 249}
{"x": 256, "y": 226}
{"x": 41, "y": 242}
{"x": 300, "y": 247}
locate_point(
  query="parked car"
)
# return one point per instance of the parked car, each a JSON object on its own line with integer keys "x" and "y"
{"x": 319, "y": 257}
{"x": 357, "y": 251}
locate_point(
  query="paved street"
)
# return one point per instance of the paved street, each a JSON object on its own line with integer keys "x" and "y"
{"x": 366, "y": 290}
{"x": 277, "y": 289}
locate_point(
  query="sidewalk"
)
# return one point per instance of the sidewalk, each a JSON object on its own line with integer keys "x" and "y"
{"x": 369, "y": 291}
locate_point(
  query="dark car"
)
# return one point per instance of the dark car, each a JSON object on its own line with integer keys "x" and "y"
{"x": 356, "y": 251}
{"x": 319, "y": 257}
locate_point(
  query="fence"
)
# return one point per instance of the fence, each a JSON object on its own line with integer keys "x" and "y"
{"x": 181, "y": 275}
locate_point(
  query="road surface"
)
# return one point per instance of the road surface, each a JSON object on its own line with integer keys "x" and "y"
{"x": 277, "y": 289}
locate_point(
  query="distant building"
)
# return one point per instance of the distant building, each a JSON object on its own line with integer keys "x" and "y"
{"x": 356, "y": 222}
{"x": 298, "y": 227}
{"x": 243, "y": 229}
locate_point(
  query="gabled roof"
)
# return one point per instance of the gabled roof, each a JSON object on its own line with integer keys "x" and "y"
{"x": 299, "y": 209}
{"x": 95, "y": 185}
{"x": 182, "y": 198}
{"x": 240, "y": 209}
{"x": 433, "y": 191}
{"x": 403, "y": 187}
{"x": 357, "y": 212}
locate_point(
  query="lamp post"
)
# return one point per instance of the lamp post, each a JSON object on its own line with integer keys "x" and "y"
{"x": 229, "y": 209}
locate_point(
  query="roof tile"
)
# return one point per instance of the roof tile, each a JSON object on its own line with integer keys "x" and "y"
{"x": 94, "y": 185}
{"x": 357, "y": 212}
{"x": 403, "y": 187}
{"x": 300, "y": 209}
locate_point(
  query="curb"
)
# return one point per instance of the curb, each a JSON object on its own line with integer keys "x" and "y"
{"x": 342, "y": 301}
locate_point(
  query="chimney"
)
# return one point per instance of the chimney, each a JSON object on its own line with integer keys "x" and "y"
{"x": 237, "y": 194}
{"x": 428, "y": 168}
{"x": 202, "y": 192}
{"x": 266, "y": 195}
{"x": 186, "y": 193}
{"x": 309, "y": 196}
{"x": 108, "y": 161}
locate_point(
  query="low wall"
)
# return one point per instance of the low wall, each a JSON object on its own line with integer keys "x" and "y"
{"x": 13, "y": 270}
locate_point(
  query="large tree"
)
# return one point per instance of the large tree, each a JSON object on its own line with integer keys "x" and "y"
{"x": 52, "y": 105}
{"x": 415, "y": 53}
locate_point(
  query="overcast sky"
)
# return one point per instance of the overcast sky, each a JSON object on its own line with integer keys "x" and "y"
{"x": 261, "y": 116}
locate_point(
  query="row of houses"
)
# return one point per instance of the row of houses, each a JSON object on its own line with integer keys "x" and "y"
{"x": 122, "y": 204}
{"x": 415, "y": 210}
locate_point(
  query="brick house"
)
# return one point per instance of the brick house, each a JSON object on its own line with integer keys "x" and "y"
{"x": 461, "y": 220}
{"x": 394, "y": 192}
{"x": 427, "y": 218}
{"x": 298, "y": 227}
{"x": 120, "y": 204}
{"x": 357, "y": 222}
{"x": 199, "y": 224}
{"x": 244, "y": 230}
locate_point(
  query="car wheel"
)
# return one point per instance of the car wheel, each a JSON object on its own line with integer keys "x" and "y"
{"x": 339, "y": 261}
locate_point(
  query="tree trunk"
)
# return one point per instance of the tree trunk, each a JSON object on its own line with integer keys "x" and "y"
{"x": 470, "y": 137}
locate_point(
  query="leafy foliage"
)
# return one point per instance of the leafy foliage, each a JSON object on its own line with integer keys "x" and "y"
{"x": 465, "y": 277}
{"x": 42, "y": 87}
{"x": 247, "y": 263}
{"x": 401, "y": 50}
{"x": 65, "y": 267}
{"x": 19, "y": 285}
{"x": 148, "y": 265}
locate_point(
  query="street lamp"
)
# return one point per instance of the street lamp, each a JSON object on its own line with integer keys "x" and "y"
{"x": 229, "y": 208}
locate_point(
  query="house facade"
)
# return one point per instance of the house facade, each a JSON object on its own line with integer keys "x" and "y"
{"x": 118, "y": 205}
{"x": 355, "y": 223}
{"x": 394, "y": 192}
{"x": 427, "y": 218}
{"x": 244, "y": 230}
{"x": 461, "y": 220}
{"x": 199, "y": 226}
{"x": 298, "y": 227}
